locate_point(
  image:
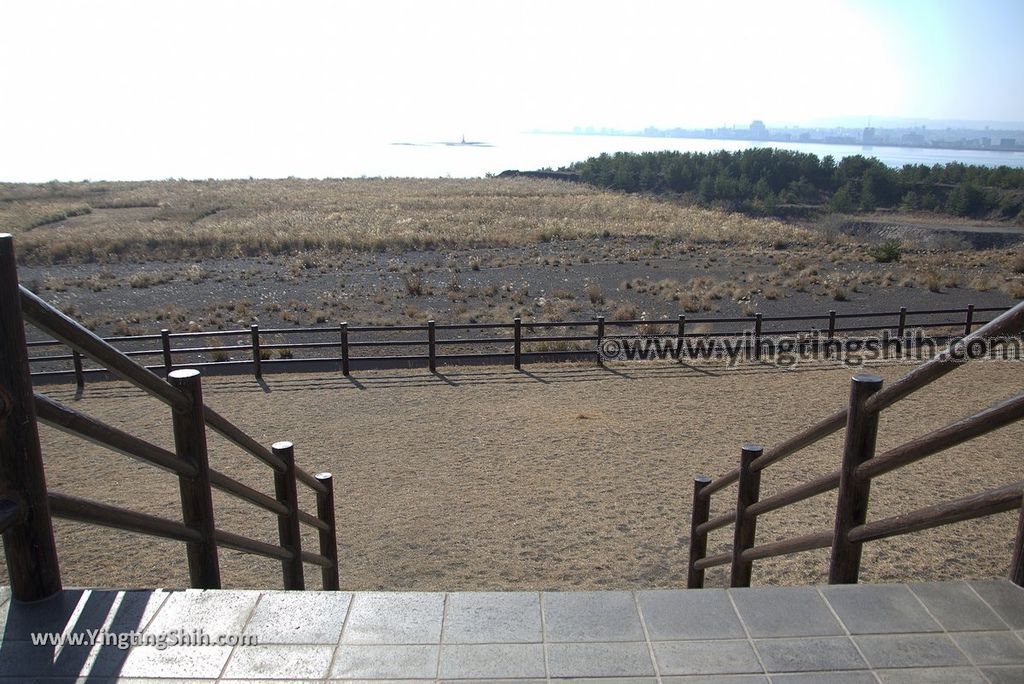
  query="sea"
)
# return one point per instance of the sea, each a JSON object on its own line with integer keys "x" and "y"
{"x": 345, "y": 154}
{"x": 532, "y": 151}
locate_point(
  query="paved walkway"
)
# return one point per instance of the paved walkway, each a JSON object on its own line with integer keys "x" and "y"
{"x": 948, "y": 632}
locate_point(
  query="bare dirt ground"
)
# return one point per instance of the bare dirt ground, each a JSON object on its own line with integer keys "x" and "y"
{"x": 557, "y": 477}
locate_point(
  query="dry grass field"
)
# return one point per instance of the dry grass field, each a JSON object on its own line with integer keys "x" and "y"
{"x": 561, "y": 477}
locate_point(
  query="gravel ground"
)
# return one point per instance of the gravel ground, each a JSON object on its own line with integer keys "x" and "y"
{"x": 557, "y": 477}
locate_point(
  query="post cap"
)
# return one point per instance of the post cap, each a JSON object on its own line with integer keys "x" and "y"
{"x": 281, "y": 446}
{"x": 183, "y": 373}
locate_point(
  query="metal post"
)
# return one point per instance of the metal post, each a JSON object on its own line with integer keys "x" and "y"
{"x": 852, "y": 504}
{"x": 517, "y": 343}
{"x": 344, "y": 349}
{"x": 165, "y": 342}
{"x": 288, "y": 525}
{"x": 76, "y": 360}
{"x": 329, "y": 537}
{"x": 257, "y": 362}
{"x": 196, "y": 499}
{"x": 749, "y": 489}
{"x": 431, "y": 346}
{"x": 29, "y": 546}
{"x": 698, "y": 542}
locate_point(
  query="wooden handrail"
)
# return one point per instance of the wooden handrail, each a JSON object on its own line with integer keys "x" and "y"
{"x": 10, "y": 512}
{"x": 233, "y": 486}
{"x": 980, "y": 505}
{"x": 245, "y": 545}
{"x": 966, "y": 429}
{"x": 806, "y": 542}
{"x": 67, "y": 419}
{"x": 70, "y": 332}
{"x": 818, "y": 485}
{"x": 97, "y": 513}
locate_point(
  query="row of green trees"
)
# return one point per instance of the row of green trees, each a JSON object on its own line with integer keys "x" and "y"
{"x": 760, "y": 180}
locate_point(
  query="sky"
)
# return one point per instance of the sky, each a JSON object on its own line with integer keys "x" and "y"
{"x": 123, "y": 81}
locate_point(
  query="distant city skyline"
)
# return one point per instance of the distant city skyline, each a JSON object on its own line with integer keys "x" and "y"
{"x": 112, "y": 86}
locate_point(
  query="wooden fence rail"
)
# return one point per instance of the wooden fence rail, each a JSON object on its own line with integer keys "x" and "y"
{"x": 853, "y": 478}
{"x": 505, "y": 342}
{"x": 26, "y": 505}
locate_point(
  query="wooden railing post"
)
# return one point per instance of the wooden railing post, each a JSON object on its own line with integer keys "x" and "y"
{"x": 852, "y": 503}
{"x": 32, "y": 566}
{"x": 328, "y": 537}
{"x": 698, "y": 542}
{"x": 76, "y": 361}
{"x": 600, "y": 340}
{"x": 288, "y": 525}
{"x": 196, "y": 499}
{"x": 165, "y": 342}
{"x": 257, "y": 362}
{"x": 1017, "y": 562}
{"x": 757, "y": 336}
{"x": 517, "y": 343}
{"x": 345, "y": 370}
{"x": 431, "y": 346}
{"x": 681, "y": 329}
{"x": 902, "y": 329}
{"x": 969, "y": 323}
{"x": 831, "y": 324}
{"x": 749, "y": 489}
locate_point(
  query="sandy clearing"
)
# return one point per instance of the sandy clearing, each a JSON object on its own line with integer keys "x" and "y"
{"x": 560, "y": 477}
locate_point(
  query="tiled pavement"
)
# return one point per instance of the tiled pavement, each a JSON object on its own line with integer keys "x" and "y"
{"x": 948, "y": 632}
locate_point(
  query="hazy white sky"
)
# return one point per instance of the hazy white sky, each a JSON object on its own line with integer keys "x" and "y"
{"x": 102, "y": 77}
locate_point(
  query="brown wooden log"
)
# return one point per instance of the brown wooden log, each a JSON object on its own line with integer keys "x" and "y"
{"x": 345, "y": 369}
{"x": 230, "y": 540}
{"x": 328, "y": 537}
{"x": 806, "y": 542}
{"x": 316, "y": 559}
{"x": 66, "y": 419}
{"x": 698, "y": 541}
{"x": 431, "y": 346}
{"x": 165, "y": 344}
{"x": 969, "y": 322}
{"x": 712, "y": 561}
{"x": 600, "y": 340}
{"x": 517, "y": 343}
{"x": 233, "y": 434}
{"x": 196, "y": 499}
{"x": 11, "y": 512}
{"x": 32, "y": 565}
{"x": 241, "y": 491}
{"x": 257, "y": 362}
{"x": 76, "y": 362}
{"x": 106, "y": 515}
{"x": 313, "y": 521}
{"x": 816, "y": 486}
{"x": 1017, "y": 561}
{"x": 992, "y": 418}
{"x": 288, "y": 524}
{"x": 746, "y": 526}
{"x": 986, "y": 503}
{"x": 68, "y": 331}
{"x": 852, "y": 504}
{"x": 723, "y": 520}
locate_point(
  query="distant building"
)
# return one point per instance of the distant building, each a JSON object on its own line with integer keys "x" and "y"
{"x": 912, "y": 139}
{"x": 758, "y": 129}
{"x": 1007, "y": 142}
{"x": 868, "y": 136}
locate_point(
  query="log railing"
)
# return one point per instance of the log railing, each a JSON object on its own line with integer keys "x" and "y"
{"x": 853, "y": 477}
{"x": 26, "y": 505}
{"x": 432, "y": 344}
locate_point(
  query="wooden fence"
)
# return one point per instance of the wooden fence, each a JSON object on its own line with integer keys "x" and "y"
{"x": 515, "y": 342}
{"x": 853, "y": 478}
{"x": 26, "y": 505}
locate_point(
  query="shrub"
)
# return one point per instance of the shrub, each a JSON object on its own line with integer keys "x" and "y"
{"x": 413, "y": 285}
{"x": 595, "y": 293}
{"x": 887, "y": 252}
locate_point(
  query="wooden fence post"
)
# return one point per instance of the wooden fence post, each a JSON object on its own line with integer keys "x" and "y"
{"x": 969, "y": 323}
{"x": 757, "y": 336}
{"x": 328, "y": 537}
{"x": 165, "y": 342}
{"x": 431, "y": 346}
{"x": 831, "y": 324}
{"x": 257, "y": 362}
{"x": 517, "y": 343}
{"x": 196, "y": 499}
{"x": 32, "y": 565}
{"x": 600, "y": 340}
{"x": 852, "y": 503}
{"x": 76, "y": 360}
{"x": 288, "y": 525}
{"x": 748, "y": 491}
{"x": 681, "y": 328}
{"x": 902, "y": 329}
{"x": 1017, "y": 562}
{"x": 698, "y": 542}
{"x": 345, "y": 370}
